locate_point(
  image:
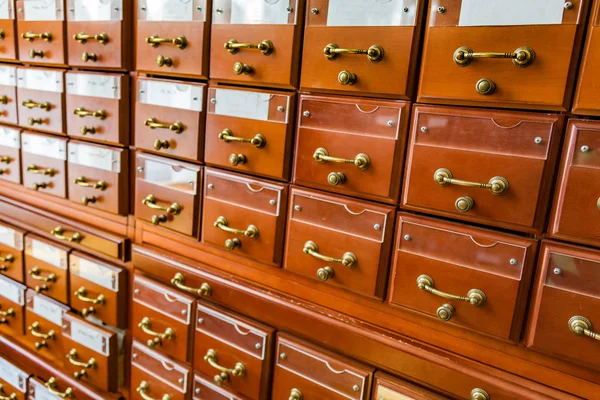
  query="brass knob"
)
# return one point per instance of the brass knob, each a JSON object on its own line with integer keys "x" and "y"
{"x": 35, "y": 53}
{"x": 231, "y": 244}
{"x": 86, "y": 200}
{"x": 3, "y": 100}
{"x": 295, "y": 394}
{"x": 38, "y": 186}
{"x": 161, "y": 144}
{"x": 157, "y": 219}
{"x": 236, "y": 159}
{"x": 325, "y": 273}
{"x": 85, "y": 56}
{"x": 33, "y": 121}
{"x": 2, "y": 34}
{"x": 485, "y": 87}
{"x": 336, "y": 178}
{"x": 479, "y": 394}
{"x": 464, "y": 203}
{"x": 162, "y": 61}
{"x": 445, "y": 312}
{"x": 346, "y": 78}
{"x": 87, "y": 129}
{"x": 88, "y": 311}
{"x": 39, "y": 345}
{"x": 239, "y": 68}
{"x": 219, "y": 379}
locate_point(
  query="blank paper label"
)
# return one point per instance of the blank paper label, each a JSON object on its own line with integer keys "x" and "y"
{"x": 105, "y": 86}
{"x": 511, "y": 12}
{"x": 40, "y": 79}
{"x": 50, "y": 254}
{"x": 8, "y": 76}
{"x": 47, "y": 310}
{"x": 90, "y": 338}
{"x": 7, "y": 237}
{"x": 182, "y": 96}
{"x": 169, "y": 10}
{"x": 44, "y": 146}
{"x": 11, "y": 292}
{"x": 13, "y": 375}
{"x": 98, "y": 274}
{"x": 366, "y": 12}
{"x": 40, "y": 10}
{"x": 5, "y": 11}
{"x": 97, "y": 10}
{"x": 273, "y": 12}
{"x": 94, "y": 157}
{"x": 242, "y": 104}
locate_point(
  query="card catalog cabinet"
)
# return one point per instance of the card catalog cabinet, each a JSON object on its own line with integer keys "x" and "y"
{"x": 12, "y": 307}
{"x": 8, "y": 93}
{"x": 44, "y": 163}
{"x": 42, "y": 31}
{"x": 47, "y": 267}
{"x": 587, "y": 96}
{"x": 10, "y": 154}
{"x": 41, "y": 99}
{"x": 8, "y": 31}
{"x": 12, "y": 240}
{"x": 13, "y": 381}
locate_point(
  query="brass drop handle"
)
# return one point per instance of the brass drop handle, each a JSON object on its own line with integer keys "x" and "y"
{"x": 143, "y": 390}
{"x": 475, "y": 297}
{"x": 479, "y": 394}
{"x": 582, "y": 326}
{"x": 239, "y": 68}
{"x": 150, "y": 201}
{"x": 374, "y": 53}
{"x": 258, "y": 140}
{"x": 152, "y": 123}
{"x": 266, "y": 47}
{"x": 251, "y": 231}
{"x": 497, "y": 185}
{"x": 32, "y": 104}
{"x": 35, "y": 331}
{"x": 7, "y": 258}
{"x": 362, "y": 161}
{"x": 82, "y": 37}
{"x": 58, "y": 233}
{"x": 348, "y": 260}
{"x": 81, "y": 295}
{"x": 521, "y": 57}
{"x": 82, "y": 181}
{"x": 51, "y": 386}
{"x": 30, "y": 36}
{"x": 82, "y": 112}
{"x": 146, "y": 326}
{"x": 12, "y": 396}
{"x": 179, "y": 280}
{"x": 295, "y": 394}
{"x": 72, "y": 357}
{"x": 238, "y": 370}
{"x": 35, "y": 273}
{"x": 155, "y": 41}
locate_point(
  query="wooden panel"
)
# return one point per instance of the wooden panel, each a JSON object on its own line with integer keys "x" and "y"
{"x": 586, "y": 96}
{"x": 387, "y": 387}
{"x": 10, "y": 154}
{"x": 12, "y": 307}
{"x": 8, "y": 25}
{"x": 8, "y": 92}
{"x": 47, "y": 267}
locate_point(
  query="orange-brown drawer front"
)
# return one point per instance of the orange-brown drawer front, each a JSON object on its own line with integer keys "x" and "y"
{"x": 565, "y": 309}
{"x": 206, "y": 389}
{"x": 47, "y": 267}
{"x": 13, "y": 380}
{"x": 535, "y": 43}
{"x": 12, "y": 307}
{"x": 8, "y": 92}
{"x": 506, "y": 158}
{"x": 41, "y": 98}
{"x": 43, "y": 163}
{"x": 11, "y": 252}
{"x": 587, "y": 96}
{"x": 342, "y": 242}
{"x": 488, "y": 271}
{"x": 10, "y": 154}
{"x": 387, "y": 387}
{"x": 387, "y": 34}
{"x": 41, "y": 28}
{"x": 365, "y": 138}
{"x": 8, "y": 25}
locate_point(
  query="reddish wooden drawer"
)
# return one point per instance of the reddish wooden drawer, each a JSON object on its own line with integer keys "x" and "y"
{"x": 157, "y": 376}
{"x": 512, "y": 154}
{"x": 168, "y": 192}
{"x": 13, "y": 380}
{"x": 41, "y": 99}
{"x": 41, "y": 29}
{"x": 47, "y": 266}
{"x": 12, "y": 308}
{"x": 173, "y": 37}
{"x": 169, "y": 116}
{"x": 387, "y": 387}
{"x": 162, "y": 318}
{"x": 8, "y": 91}
{"x": 586, "y": 97}
{"x": 205, "y": 389}
{"x": 565, "y": 312}
{"x": 364, "y": 138}
{"x": 97, "y": 107}
{"x": 542, "y": 39}
{"x": 8, "y": 27}
{"x": 488, "y": 273}
{"x": 11, "y": 252}
{"x": 274, "y": 29}
{"x": 98, "y": 177}
{"x": 10, "y": 154}
{"x": 98, "y": 289}
{"x": 340, "y": 241}
{"x": 246, "y": 216}
{"x": 225, "y": 339}
{"x": 304, "y": 371}
{"x": 44, "y": 163}
{"x": 250, "y": 131}
{"x": 386, "y": 32}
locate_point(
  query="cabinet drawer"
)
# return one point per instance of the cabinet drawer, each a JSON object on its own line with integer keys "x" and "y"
{"x": 8, "y": 25}
{"x": 13, "y": 380}
{"x": 98, "y": 177}
{"x": 493, "y": 168}
{"x": 340, "y": 241}
{"x": 250, "y": 131}
{"x": 168, "y": 192}
{"x": 565, "y": 312}
{"x": 169, "y": 116}
{"x": 97, "y": 107}
{"x": 244, "y": 347}
{"x": 543, "y": 41}
{"x": 44, "y": 163}
{"x": 246, "y": 216}
{"x": 162, "y": 318}
{"x": 10, "y": 154}
{"x": 364, "y": 139}
{"x": 98, "y": 289}
{"x": 156, "y": 376}
{"x": 8, "y": 90}
{"x": 387, "y": 34}
{"x": 41, "y": 28}
{"x": 205, "y": 389}
{"x": 12, "y": 307}
{"x": 11, "y": 252}
{"x": 309, "y": 372}
{"x": 256, "y": 43}
{"x": 587, "y": 95}
{"x": 487, "y": 274}
{"x": 41, "y": 99}
{"x": 47, "y": 267}
{"x": 387, "y": 387}
{"x": 173, "y": 37}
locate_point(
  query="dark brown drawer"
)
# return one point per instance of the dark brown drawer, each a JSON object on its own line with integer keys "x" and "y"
{"x": 12, "y": 307}
{"x": 387, "y": 387}
{"x": 8, "y": 90}
{"x": 13, "y": 381}
{"x": 11, "y": 252}
{"x": 44, "y": 163}
{"x": 47, "y": 266}
{"x": 41, "y": 98}
{"x": 206, "y": 389}
{"x": 10, "y": 154}
{"x": 42, "y": 29}
{"x": 8, "y": 25}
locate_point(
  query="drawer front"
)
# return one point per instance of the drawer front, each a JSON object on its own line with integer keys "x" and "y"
{"x": 10, "y": 154}
{"x": 587, "y": 94}
{"x": 365, "y": 140}
{"x": 47, "y": 267}
{"x": 167, "y": 193}
{"x": 205, "y": 389}
{"x": 226, "y": 340}
{"x": 245, "y": 216}
{"x": 250, "y": 131}
{"x": 506, "y": 158}
{"x": 41, "y": 99}
{"x": 387, "y": 34}
{"x": 487, "y": 274}
{"x": 11, "y": 252}
{"x": 99, "y": 177}
{"x": 339, "y": 241}
{"x": 387, "y": 387}
{"x": 565, "y": 312}
{"x": 97, "y": 107}
{"x": 44, "y": 174}
{"x": 8, "y": 93}
{"x": 12, "y": 307}
{"x": 13, "y": 380}
{"x": 169, "y": 117}
{"x": 41, "y": 29}
{"x": 541, "y": 39}
{"x": 162, "y": 318}
{"x": 8, "y": 25}
{"x": 273, "y": 29}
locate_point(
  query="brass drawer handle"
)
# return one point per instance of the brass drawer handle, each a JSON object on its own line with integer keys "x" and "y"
{"x": 374, "y": 53}
{"x": 2, "y": 37}
{"x": 85, "y": 57}
{"x": 41, "y": 185}
{"x": 3, "y": 100}
{"x": 582, "y": 326}
{"x": 265, "y": 47}
{"x": 251, "y": 231}
{"x": 295, "y": 394}
{"x": 8, "y": 313}
{"x": 238, "y": 370}
{"x": 521, "y": 57}
{"x": 479, "y": 394}
{"x": 232, "y": 244}
{"x": 30, "y": 36}
{"x": 32, "y": 121}
{"x": 155, "y": 41}
{"x": 87, "y": 129}
{"x": 5, "y": 159}
{"x": 85, "y": 200}
{"x": 7, "y": 258}
{"x": 346, "y": 77}
{"x": 12, "y": 396}
{"x": 82, "y": 38}
{"x": 82, "y": 292}
{"x": 239, "y": 68}
{"x": 36, "y": 53}
{"x": 258, "y": 140}
{"x": 152, "y": 123}
{"x": 150, "y": 201}
{"x": 35, "y": 273}
{"x": 82, "y": 112}
{"x": 72, "y": 357}
{"x": 144, "y": 388}
{"x": 362, "y": 161}
{"x": 146, "y": 326}
{"x": 51, "y": 386}
{"x": 475, "y": 297}
{"x": 35, "y": 331}
{"x": 32, "y": 104}
{"x": 179, "y": 280}
{"x": 160, "y": 144}
{"x": 82, "y": 181}
{"x": 348, "y": 260}
{"x": 497, "y": 185}
{"x": 58, "y": 233}
{"x": 237, "y": 159}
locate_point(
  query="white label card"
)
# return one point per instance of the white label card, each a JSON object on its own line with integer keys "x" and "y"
{"x": 42, "y": 393}
{"x": 90, "y": 338}
{"x": 5, "y": 11}
{"x": 98, "y": 273}
{"x": 169, "y": 10}
{"x": 44, "y": 146}
{"x": 10, "y": 138}
{"x": 48, "y": 253}
{"x": 511, "y": 12}
{"x": 273, "y": 12}
{"x": 13, "y": 375}
{"x": 166, "y": 175}
{"x": 175, "y": 95}
{"x": 242, "y": 104}
{"x": 8, "y": 76}
{"x": 11, "y": 292}
{"x": 365, "y": 12}
{"x": 93, "y": 85}
{"x": 94, "y": 157}
{"x": 7, "y": 236}
{"x": 40, "y": 10}
{"x": 40, "y": 79}
{"x": 47, "y": 310}
{"x": 97, "y": 10}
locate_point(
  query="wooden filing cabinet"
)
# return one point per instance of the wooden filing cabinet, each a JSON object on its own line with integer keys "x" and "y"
{"x": 41, "y": 95}
{"x": 12, "y": 240}
{"x": 387, "y": 387}
{"x": 12, "y": 307}
{"x": 206, "y": 389}
{"x": 42, "y": 32}
{"x": 8, "y": 94}
{"x": 10, "y": 154}
{"x": 47, "y": 266}
{"x": 44, "y": 163}
{"x": 13, "y": 381}
{"x": 587, "y": 94}
{"x": 8, "y": 31}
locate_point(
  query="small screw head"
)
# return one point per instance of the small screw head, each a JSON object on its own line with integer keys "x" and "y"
{"x": 280, "y": 108}
{"x": 272, "y": 202}
{"x": 513, "y": 261}
{"x": 377, "y": 227}
{"x": 585, "y": 149}
{"x": 283, "y": 356}
{"x": 213, "y": 101}
{"x": 258, "y": 345}
{"x": 198, "y": 8}
{"x": 314, "y": 10}
{"x": 197, "y": 390}
{"x": 219, "y": 11}
{"x": 441, "y": 9}
{"x": 568, "y": 5}
{"x": 390, "y": 123}
{"x": 136, "y": 291}
{"x": 290, "y": 10}
{"x": 211, "y": 186}
{"x": 180, "y": 380}
{"x": 297, "y": 208}
{"x": 200, "y": 320}
{"x": 557, "y": 271}
{"x": 424, "y": 129}
{"x": 356, "y": 388}
{"x": 140, "y": 169}
{"x": 538, "y": 140}
{"x": 183, "y": 312}
{"x": 407, "y": 237}
{"x": 306, "y": 113}
{"x": 405, "y": 9}
{"x": 134, "y": 356}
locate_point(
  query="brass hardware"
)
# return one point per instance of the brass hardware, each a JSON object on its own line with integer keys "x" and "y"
{"x": 346, "y": 77}
{"x": 362, "y": 161}
{"x": 295, "y": 394}
{"x": 35, "y": 331}
{"x": 88, "y": 311}
{"x": 152, "y": 123}
{"x": 464, "y": 204}
{"x": 80, "y": 375}
{"x": 231, "y": 244}
{"x": 479, "y": 394}
{"x": 85, "y": 130}
{"x": 144, "y": 388}
{"x": 40, "y": 345}
{"x": 82, "y": 292}
{"x": 251, "y": 231}
{"x": 374, "y": 53}
{"x": 82, "y": 112}
{"x": 72, "y": 357}
{"x": 52, "y": 384}
{"x": 157, "y": 219}
{"x": 36, "y": 53}
{"x": 179, "y": 280}
{"x": 82, "y": 181}
{"x": 85, "y": 200}
{"x": 32, "y": 104}
{"x": 85, "y": 57}
{"x": 38, "y": 186}
{"x": 40, "y": 289}
{"x": 336, "y": 178}
{"x": 146, "y": 326}
{"x": 150, "y": 201}
{"x": 324, "y": 274}
{"x": 348, "y": 260}
{"x": 155, "y": 41}
{"x": 5, "y": 159}
{"x": 238, "y": 370}
{"x": 485, "y": 87}
{"x": 258, "y": 140}
{"x": 160, "y": 144}
{"x": 445, "y": 312}
{"x": 475, "y": 297}
{"x": 239, "y": 68}
{"x": 521, "y": 57}
{"x": 582, "y": 326}
{"x": 30, "y": 36}
{"x": 163, "y": 61}
{"x": 12, "y": 396}
{"x": 8, "y": 258}
{"x": 236, "y": 159}
{"x": 598, "y": 203}
{"x": 265, "y": 47}
{"x": 33, "y": 121}
{"x": 35, "y": 273}
{"x": 497, "y": 185}
{"x": 82, "y": 38}
{"x": 3, "y": 100}
{"x": 58, "y": 233}
{"x": 8, "y": 313}
{"x": 2, "y": 37}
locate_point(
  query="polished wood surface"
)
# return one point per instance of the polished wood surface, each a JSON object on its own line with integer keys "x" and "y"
{"x": 47, "y": 267}
{"x": 52, "y": 120}
{"x": 586, "y": 96}
{"x": 387, "y": 387}
{"x": 12, "y": 307}
{"x": 11, "y": 249}
{"x": 8, "y": 46}
{"x": 53, "y": 52}
{"x": 8, "y": 111}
